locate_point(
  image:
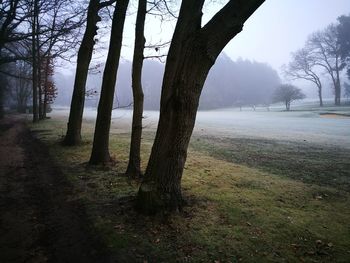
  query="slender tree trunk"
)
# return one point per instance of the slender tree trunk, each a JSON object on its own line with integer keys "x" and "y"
{"x": 47, "y": 65}
{"x": 34, "y": 62}
{"x": 320, "y": 95}
{"x": 73, "y": 135}
{"x": 337, "y": 90}
{"x": 134, "y": 166}
{"x": 100, "y": 150}
{"x": 2, "y": 111}
{"x": 192, "y": 53}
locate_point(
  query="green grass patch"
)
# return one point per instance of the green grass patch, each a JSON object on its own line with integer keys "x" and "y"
{"x": 309, "y": 163}
{"x": 235, "y": 212}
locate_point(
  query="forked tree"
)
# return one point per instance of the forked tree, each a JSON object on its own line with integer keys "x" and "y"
{"x": 304, "y": 66}
{"x": 326, "y": 52}
{"x": 192, "y": 53}
{"x": 100, "y": 150}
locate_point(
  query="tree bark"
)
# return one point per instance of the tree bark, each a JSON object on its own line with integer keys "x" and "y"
{"x": 2, "y": 111}
{"x": 320, "y": 95}
{"x": 73, "y": 135}
{"x": 192, "y": 53}
{"x": 134, "y": 166}
{"x": 337, "y": 88}
{"x": 100, "y": 149}
{"x": 35, "y": 62}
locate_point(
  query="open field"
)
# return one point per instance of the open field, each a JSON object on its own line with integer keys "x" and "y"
{"x": 250, "y": 198}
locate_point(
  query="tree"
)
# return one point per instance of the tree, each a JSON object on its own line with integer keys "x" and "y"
{"x": 343, "y": 29}
{"x": 347, "y": 90}
{"x": 21, "y": 90}
{"x": 100, "y": 149}
{"x": 48, "y": 86}
{"x": 303, "y": 66}
{"x": 134, "y": 166}
{"x": 73, "y": 135}
{"x": 35, "y": 62}
{"x": 192, "y": 53}
{"x": 287, "y": 93}
{"x": 325, "y": 51}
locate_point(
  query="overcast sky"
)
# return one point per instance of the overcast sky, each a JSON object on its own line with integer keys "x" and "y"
{"x": 276, "y": 29}
{"x": 279, "y": 27}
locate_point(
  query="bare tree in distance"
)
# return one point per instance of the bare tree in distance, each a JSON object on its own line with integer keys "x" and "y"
{"x": 343, "y": 29}
{"x": 192, "y": 53}
{"x": 325, "y": 50}
{"x": 287, "y": 93}
{"x": 304, "y": 66}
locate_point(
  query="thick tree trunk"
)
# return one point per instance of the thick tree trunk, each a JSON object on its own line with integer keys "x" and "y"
{"x": 73, "y": 135}
{"x": 192, "y": 53}
{"x": 100, "y": 150}
{"x": 134, "y": 166}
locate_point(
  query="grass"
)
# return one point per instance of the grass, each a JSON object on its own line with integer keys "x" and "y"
{"x": 241, "y": 207}
{"x": 307, "y": 162}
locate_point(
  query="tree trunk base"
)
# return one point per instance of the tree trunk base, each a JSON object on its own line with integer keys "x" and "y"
{"x": 151, "y": 201}
{"x": 71, "y": 141}
{"x": 133, "y": 172}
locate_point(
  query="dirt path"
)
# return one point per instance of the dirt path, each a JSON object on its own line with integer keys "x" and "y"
{"x": 39, "y": 219}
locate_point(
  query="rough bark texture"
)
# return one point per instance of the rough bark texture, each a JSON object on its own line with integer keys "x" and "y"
{"x": 100, "y": 150}
{"x": 192, "y": 53}
{"x": 134, "y": 166}
{"x": 73, "y": 135}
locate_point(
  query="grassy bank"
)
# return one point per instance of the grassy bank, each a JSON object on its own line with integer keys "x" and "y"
{"x": 238, "y": 211}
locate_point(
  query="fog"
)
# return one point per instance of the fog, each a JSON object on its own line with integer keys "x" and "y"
{"x": 230, "y": 83}
{"x": 301, "y": 125}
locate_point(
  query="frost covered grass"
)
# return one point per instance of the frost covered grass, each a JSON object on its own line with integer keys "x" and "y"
{"x": 248, "y": 200}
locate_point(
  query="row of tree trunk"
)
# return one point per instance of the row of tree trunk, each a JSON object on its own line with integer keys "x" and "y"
{"x": 192, "y": 53}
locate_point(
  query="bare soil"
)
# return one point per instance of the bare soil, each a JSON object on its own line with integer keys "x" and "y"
{"x": 40, "y": 221}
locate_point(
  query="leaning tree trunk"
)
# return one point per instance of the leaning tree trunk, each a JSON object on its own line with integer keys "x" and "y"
{"x": 134, "y": 166}
{"x": 192, "y": 53}
{"x": 73, "y": 135}
{"x": 100, "y": 151}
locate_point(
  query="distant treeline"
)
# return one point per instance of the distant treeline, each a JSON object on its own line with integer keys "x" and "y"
{"x": 229, "y": 84}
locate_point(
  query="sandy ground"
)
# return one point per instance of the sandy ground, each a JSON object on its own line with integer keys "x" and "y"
{"x": 39, "y": 221}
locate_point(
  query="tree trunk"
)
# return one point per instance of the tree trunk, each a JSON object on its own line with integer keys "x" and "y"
{"x": 2, "y": 111}
{"x": 34, "y": 62}
{"x": 47, "y": 65}
{"x": 73, "y": 135}
{"x": 100, "y": 151}
{"x": 192, "y": 53}
{"x": 134, "y": 166}
{"x": 337, "y": 90}
{"x": 320, "y": 95}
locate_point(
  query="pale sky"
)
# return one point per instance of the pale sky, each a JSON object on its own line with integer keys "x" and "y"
{"x": 276, "y": 29}
{"x": 279, "y": 27}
